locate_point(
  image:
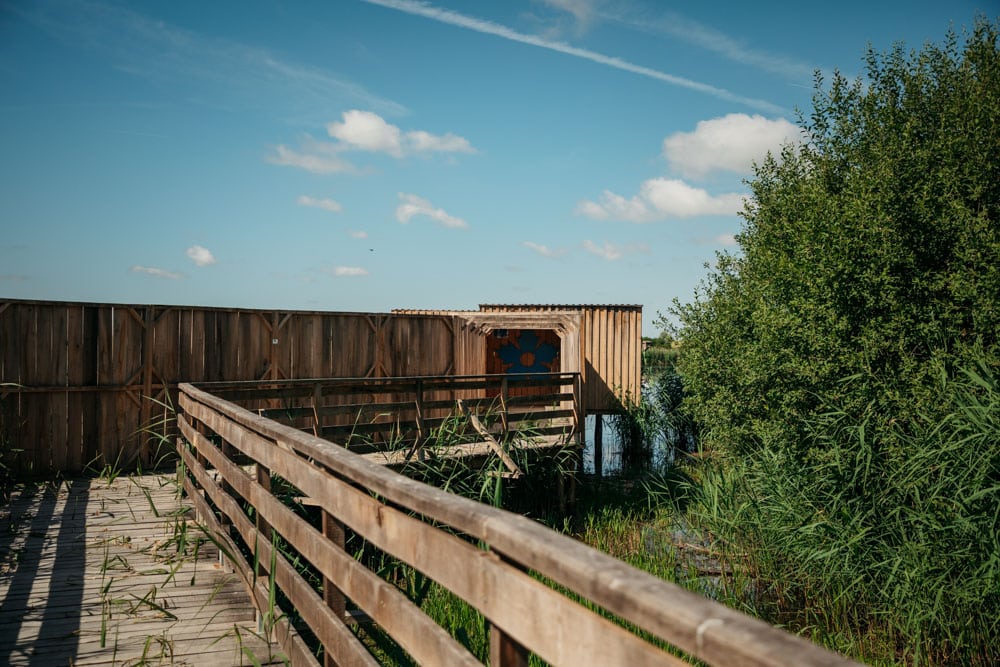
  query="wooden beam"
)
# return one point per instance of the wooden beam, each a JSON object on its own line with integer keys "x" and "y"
{"x": 490, "y": 440}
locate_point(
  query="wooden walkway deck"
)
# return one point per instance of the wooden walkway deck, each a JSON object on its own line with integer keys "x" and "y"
{"x": 99, "y": 572}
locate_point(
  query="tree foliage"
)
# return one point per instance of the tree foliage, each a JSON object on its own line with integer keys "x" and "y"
{"x": 873, "y": 247}
{"x": 822, "y": 355}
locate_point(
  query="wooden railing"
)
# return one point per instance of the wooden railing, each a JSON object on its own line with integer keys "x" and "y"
{"x": 390, "y": 420}
{"x": 505, "y": 566}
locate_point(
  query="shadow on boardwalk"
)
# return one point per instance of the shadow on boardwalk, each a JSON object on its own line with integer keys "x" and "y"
{"x": 115, "y": 572}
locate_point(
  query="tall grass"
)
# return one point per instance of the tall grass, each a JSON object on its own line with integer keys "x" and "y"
{"x": 653, "y": 427}
{"x": 884, "y": 539}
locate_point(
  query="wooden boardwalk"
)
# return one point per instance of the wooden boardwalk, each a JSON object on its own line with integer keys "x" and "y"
{"x": 115, "y": 572}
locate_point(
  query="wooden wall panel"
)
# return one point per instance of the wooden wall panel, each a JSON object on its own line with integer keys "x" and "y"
{"x": 94, "y": 371}
{"x": 50, "y": 360}
{"x": 353, "y": 341}
{"x": 282, "y": 350}
{"x": 306, "y": 333}
{"x": 418, "y": 345}
{"x": 166, "y": 352}
{"x": 254, "y": 342}
{"x": 191, "y": 352}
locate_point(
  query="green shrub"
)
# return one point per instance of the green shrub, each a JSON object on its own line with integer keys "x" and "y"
{"x": 870, "y": 252}
{"x": 881, "y": 528}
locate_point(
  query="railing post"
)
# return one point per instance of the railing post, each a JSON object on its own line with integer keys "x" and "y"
{"x": 418, "y": 442}
{"x": 579, "y": 435}
{"x": 505, "y": 651}
{"x": 333, "y": 530}
{"x": 224, "y": 521}
{"x": 263, "y": 534}
{"x": 202, "y": 429}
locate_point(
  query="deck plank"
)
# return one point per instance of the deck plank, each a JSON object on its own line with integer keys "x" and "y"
{"x": 103, "y": 572}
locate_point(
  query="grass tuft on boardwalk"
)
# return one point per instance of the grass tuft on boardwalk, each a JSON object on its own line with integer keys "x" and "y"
{"x": 114, "y": 571}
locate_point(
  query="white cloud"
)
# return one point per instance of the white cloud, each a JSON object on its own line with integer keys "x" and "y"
{"x": 676, "y": 199}
{"x": 363, "y": 131}
{"x": 367, "y": 131}
{"x": 658, "y": 199}
{"x": 613, "y": 252}
{"x": 349, "y": 271}
{"x": 314, "y": 159}
{"x": 358, "y": 234}
{"x": 201, "y": 256}
{"x": 726, "y": 239}
{"x": 730, "y": 143}
{"x": 419, "y": 141}
{"x": 608, "y": 251}
{"x": 155, "y": 272}
{"x": 544, "y": 250}
{"x": 615, "y": 207}
{"x": 490, "y": 28}
{"x": 325, "y": 204}
{"x": 413, "y": 205}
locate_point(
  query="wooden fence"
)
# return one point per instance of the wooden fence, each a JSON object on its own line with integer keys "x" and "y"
{"x": 80, "y": 382}
{"x": 525, "y": 579}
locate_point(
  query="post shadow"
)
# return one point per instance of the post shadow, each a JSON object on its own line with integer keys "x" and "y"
{"x": 57, "y": 638}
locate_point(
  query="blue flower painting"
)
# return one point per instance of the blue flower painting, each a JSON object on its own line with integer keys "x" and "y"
{"x": 527, "y": 354}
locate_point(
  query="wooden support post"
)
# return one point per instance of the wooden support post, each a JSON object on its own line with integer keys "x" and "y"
{"x": 333, "y": 530}
{"x": 505, "y": 651}
{"x": 224, "y": 521}
{"x": 263, "y": 535}
{"x": 418, "y": 444}
{"x": 599, "y": 444}
{"x": 201, "y": 428}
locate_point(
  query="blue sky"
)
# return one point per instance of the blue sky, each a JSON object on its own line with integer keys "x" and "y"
{"x": 367, "y": 155}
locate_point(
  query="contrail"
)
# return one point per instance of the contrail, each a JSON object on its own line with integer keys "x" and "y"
{"x": 490, "y": 28}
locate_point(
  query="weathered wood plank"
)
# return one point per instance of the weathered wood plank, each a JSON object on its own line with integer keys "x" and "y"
{"x": 76, "y": 577}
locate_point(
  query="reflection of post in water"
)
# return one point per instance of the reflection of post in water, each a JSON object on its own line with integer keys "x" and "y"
{"x": 598, "y": 445}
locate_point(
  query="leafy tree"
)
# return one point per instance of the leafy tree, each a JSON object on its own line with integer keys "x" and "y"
{"x": 869, "y": 268}
{"x": 872, "y": 247}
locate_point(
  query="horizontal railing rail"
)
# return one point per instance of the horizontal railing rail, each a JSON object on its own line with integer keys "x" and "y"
{"x": 535, "y": 587}
{"x": 390, "y": 415}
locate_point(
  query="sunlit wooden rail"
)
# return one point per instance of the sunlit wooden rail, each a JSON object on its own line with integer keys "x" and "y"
{"x": 524, "y": 578}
